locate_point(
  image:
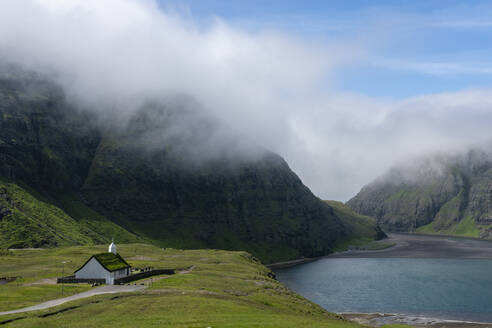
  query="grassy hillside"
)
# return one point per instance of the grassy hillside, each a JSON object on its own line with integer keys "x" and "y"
{"x": 225, "y": 289}
{"x": 28, "y": 219}
{"x": 361, "y": 226}
{"x": 467, "y": 227}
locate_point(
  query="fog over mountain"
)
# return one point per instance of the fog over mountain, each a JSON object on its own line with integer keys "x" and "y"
{"x": 274, "y": 89}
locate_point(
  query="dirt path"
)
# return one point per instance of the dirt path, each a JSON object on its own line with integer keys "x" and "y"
{"x": 109, "y": 289}
{"x": 47, "y": 281}
{"x": 188, "y": 270}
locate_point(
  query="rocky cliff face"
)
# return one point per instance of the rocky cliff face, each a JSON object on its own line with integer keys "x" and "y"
{"x": 43, "y": 140}
{"x": 442, "y": 194}
{"x": 167, "y": 173}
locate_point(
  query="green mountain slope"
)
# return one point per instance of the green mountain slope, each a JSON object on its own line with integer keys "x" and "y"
{"x": 361, "y": 226}
{"x": 168, "y": 173}
{"x": 441, "y": 194}
{"x": 29, "y": 220}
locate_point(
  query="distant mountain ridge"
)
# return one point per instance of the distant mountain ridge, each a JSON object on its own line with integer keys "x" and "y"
{"x": 437, "y": 194}
{"x": 167, "y": 174}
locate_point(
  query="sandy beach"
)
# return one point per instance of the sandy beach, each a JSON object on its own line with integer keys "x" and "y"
{"x": 412, "y": 246}
{"x": 381, "y": 319}
{"x": 426, "y": 246}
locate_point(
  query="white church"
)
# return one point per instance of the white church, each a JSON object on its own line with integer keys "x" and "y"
{"x": 108, "y": 266}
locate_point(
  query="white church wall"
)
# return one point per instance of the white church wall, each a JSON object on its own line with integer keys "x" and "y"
{"x": 115, "y": 275}
{"x": 93, "y": 270}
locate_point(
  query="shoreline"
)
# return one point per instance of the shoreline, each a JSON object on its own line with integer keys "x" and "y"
{"x": 376, "y": 319}
{"x": 401, "y": 242}
{"x": 412, "y": 245}
{"x": 304, "y": 260}
{"x": 291, "y": 263}
{"x": 437, "y": 235}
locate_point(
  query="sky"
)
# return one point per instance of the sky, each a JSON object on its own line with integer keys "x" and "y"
{"x": 427, "y": 46}
{"x": 343, "y": 90}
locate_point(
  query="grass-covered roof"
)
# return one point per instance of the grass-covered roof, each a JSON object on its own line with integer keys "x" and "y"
{"x": 109, "y": 261}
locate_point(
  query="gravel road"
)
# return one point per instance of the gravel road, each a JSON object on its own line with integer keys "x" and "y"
{"x": 108, "y": 289}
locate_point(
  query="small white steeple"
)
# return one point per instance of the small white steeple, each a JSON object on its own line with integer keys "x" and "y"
{"x": 112, "y": 247}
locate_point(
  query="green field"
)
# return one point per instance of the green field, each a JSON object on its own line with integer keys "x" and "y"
{"x": 225, "y": 289}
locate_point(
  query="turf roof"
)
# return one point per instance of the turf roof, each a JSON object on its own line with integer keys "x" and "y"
{"x": 109, "y": 261}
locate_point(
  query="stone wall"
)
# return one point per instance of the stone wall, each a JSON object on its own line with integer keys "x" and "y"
{"x": 142, "y": 275}
{"x": 73, "y": 280}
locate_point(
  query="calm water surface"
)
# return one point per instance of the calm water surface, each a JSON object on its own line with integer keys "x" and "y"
{"x": 443, "y": 288}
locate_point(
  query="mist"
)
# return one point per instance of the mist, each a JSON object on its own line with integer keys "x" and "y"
{"x": 275, "y": 89}
{"x": 428, "y": 168}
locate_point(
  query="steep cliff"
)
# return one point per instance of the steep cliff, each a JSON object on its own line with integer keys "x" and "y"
{"x": 438, "y": 194}
{"x": 168, "y": 173}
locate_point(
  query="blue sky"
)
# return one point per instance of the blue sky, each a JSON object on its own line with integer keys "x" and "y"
{"x": 415, "y": 47}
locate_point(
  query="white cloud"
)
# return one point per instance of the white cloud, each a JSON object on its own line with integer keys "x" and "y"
{"x": 266, "y": 85}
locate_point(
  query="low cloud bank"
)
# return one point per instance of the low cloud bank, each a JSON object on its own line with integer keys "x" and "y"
{"x": 270, "y": 87}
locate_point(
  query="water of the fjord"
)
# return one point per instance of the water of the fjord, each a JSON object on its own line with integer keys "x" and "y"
{"x": 458, "y": 289}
